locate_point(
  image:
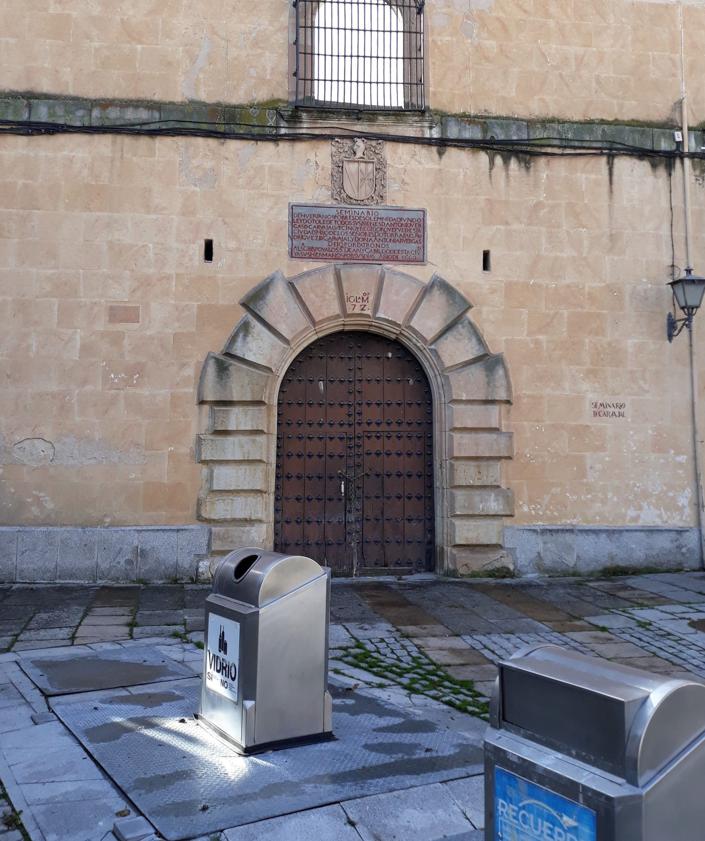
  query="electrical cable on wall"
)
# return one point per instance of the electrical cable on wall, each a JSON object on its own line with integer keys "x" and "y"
{"x": 546, "y": 146}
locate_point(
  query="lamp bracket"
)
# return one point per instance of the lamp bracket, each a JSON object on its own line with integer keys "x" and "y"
{"x": 674, "y": 326}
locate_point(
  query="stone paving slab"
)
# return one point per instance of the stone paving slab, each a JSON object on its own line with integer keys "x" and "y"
{"x": 172, "y": 767}
{"x": 430, "y": 812}
{"x": 330, "y": 823}
{"x": 469, "y": 794}
{"x": 81, "y": 671}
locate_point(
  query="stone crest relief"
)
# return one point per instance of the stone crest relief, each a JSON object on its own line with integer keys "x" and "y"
{"x": 359, "y": 171}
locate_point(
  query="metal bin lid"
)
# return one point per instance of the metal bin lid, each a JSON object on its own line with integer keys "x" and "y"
{"x": 625, "y": 721}
{"x": 257, "y": 577}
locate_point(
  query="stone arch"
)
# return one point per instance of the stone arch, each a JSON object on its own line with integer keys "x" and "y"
{"x": 239, "y": 388}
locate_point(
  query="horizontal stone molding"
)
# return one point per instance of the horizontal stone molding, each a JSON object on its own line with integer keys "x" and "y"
{"x": 583, "y": 550}
{"x": 276, "y": 121}
{"x": 241, "y": 419}
{"x": 470, "y": 444}
{"x": 95, "y": 555}
{"x": 240, "y": 506}
{"x": 468, "y": 416}
{"x": 482, "y": 502}
{"x": 234, "y": 447}
{"x": 232, "y": 477}
{"x": 476, "y": 531}
{"x": 464, "y": 473}
{"x": 225, "y": 538}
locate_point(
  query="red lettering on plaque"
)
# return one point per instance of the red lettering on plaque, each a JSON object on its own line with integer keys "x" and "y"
{"x": 357, "y": 234}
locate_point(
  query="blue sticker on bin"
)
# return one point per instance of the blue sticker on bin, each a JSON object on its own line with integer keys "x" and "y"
{"x": 524, "y": 811}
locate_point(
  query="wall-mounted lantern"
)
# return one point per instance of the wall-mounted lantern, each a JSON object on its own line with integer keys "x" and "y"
{"x": 688, "y": 293}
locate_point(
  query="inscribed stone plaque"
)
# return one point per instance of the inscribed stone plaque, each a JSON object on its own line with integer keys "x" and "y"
{"x": 357, "y": 234}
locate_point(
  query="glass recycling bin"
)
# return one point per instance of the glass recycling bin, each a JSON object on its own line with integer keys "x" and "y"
{"x": 581, "y": 749}
{"x": 265, "y": 677}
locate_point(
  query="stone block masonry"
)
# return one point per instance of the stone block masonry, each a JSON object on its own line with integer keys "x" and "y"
{"x": 102, "y": 555}
{"x": 237, "y": 449}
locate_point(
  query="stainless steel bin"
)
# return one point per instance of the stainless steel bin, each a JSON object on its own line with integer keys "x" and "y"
{"x": 581, "y": 749}
{"x": 266, "y": 651}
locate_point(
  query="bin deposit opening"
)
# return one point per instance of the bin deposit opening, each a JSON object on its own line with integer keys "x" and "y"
{"x": 244, "y": 566}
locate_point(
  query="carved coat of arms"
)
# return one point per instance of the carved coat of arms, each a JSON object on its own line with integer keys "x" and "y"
{"x": 359, "y": 171}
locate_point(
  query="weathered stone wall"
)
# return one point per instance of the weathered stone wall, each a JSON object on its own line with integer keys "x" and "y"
{"x": 598, "y": 59}
{"x": 109, "y": 312}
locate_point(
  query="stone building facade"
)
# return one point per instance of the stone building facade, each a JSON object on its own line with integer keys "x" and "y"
{"x": 152, "y": 308}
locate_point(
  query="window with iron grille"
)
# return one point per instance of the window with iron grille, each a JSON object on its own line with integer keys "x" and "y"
{"x": 360, "y": 54}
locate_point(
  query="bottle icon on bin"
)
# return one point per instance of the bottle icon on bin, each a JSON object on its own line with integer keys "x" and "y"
{"x": 222, "y": 642}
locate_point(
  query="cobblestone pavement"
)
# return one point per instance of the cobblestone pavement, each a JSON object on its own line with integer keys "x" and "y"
{"x": 435, "y": 637}
{"x": 414, "y": 642}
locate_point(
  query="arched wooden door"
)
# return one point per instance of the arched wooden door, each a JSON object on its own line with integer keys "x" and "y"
{"x": 354, "y": 483}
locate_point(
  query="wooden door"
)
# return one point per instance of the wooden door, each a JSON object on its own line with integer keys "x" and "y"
{"x": 354, "y": 482}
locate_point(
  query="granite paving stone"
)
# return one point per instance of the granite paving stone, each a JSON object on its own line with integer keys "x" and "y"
{"x": 161, "y": 598}
{"x": 609, "y": 650}
{"x": 159, "y": 617}
{"x": 99, "y": 633}
{"x": 487, "y": 672}
{"x": 611, "y": 620}
{"x": 429, "y": 812}
{"x": 339, "y": 636}
{"x": 588, "y": 637}
{"x": 135, "y": 828}
{"x": 329, "y": 823}
{"x": 55, "y": 618}
{"x": 31, "y": 645}
{"x": 46, "y": 634}
{"x": 11, "y": 628}
{"x": 425, "y": 630}
{"x": 469, "y": 794}
{"x": 66, "y": 791}
{"x": 457, "y": 657}
{"x": 101, "y": 620}
{"x": 78, "y": 820}
{"x": 144, "y": 631}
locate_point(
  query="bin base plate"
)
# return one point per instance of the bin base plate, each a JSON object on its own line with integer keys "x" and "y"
{"x": 189, "y": 783}
{"x": 282, "y": 744}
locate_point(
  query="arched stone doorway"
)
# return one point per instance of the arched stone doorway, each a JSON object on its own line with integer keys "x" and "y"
{"x": 354, "y": 472}
{"x": 239, "y": 390}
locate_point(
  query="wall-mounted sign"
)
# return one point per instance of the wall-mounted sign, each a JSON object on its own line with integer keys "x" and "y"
{"x": 616, "y": 409}
{"x": 357, "y": 234}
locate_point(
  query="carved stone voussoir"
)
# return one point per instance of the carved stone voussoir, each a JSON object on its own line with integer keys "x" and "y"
{"x": 358, "y": 171}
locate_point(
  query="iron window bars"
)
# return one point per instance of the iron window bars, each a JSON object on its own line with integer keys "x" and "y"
{"x": 362, "y": 54}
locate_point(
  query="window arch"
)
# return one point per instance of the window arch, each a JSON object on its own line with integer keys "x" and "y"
{"x": 360, "y": 54}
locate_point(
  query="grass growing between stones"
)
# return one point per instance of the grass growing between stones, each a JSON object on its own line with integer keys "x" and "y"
{"x": 10, "y": 818}
{"x": 180, "y": 635}
{"x": 419, "y": 676}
